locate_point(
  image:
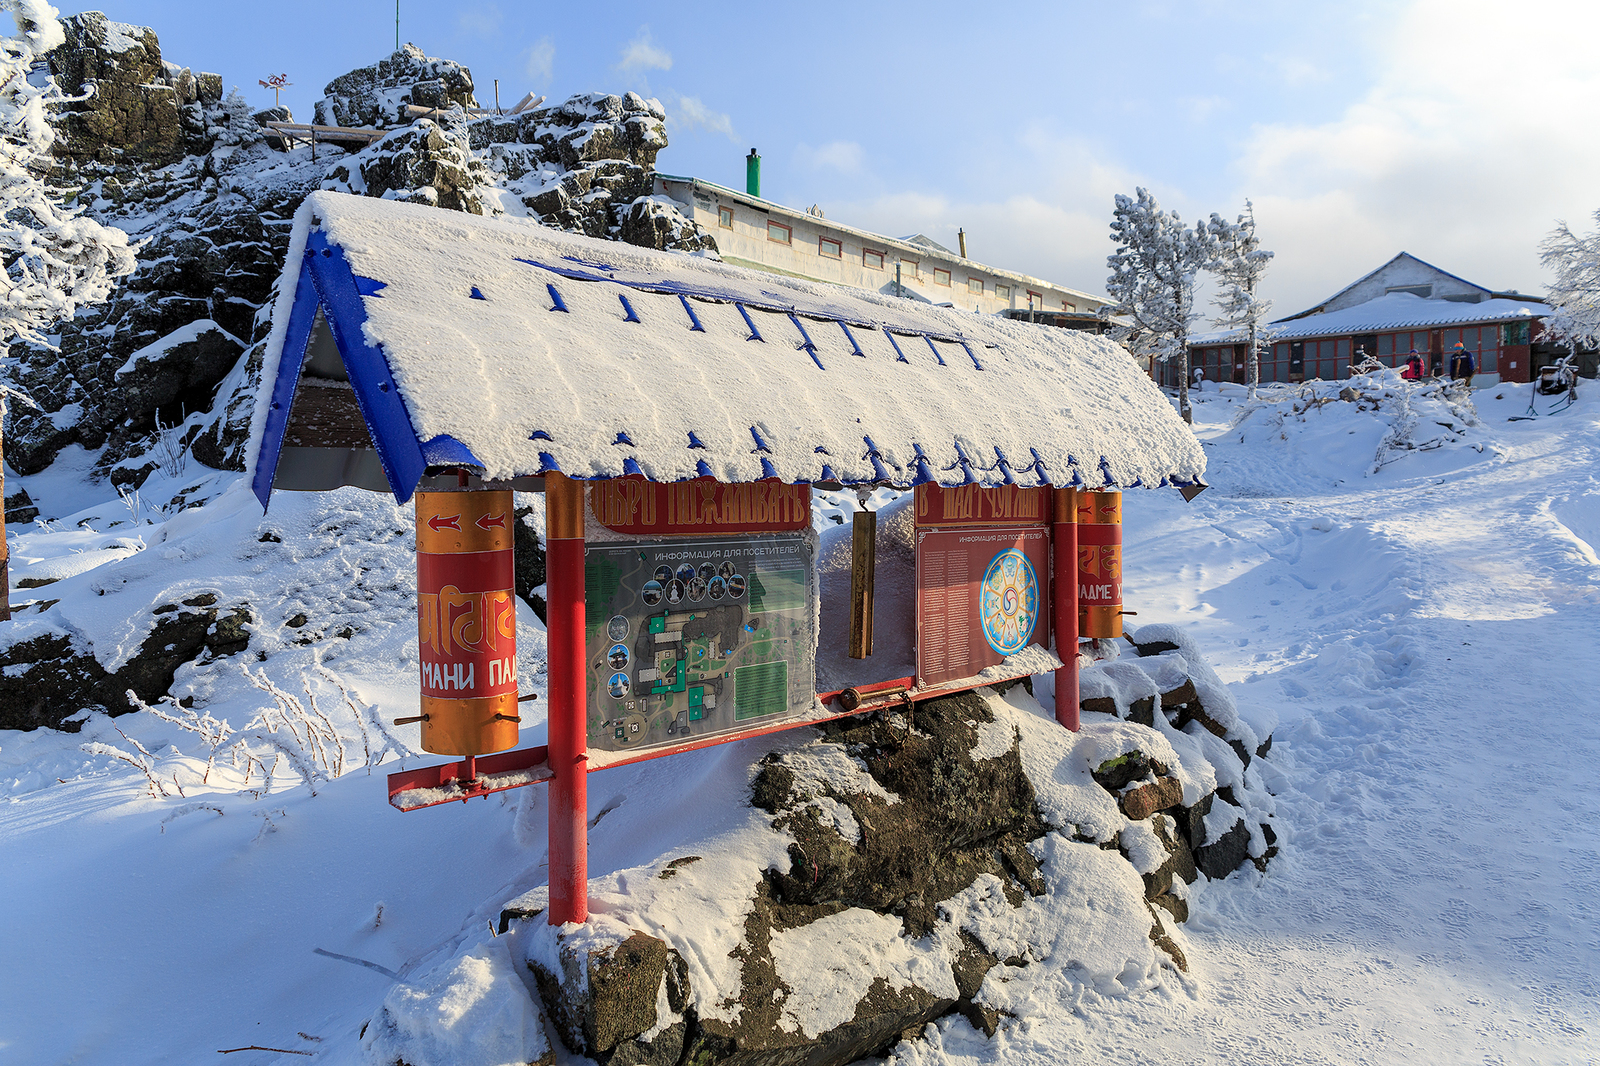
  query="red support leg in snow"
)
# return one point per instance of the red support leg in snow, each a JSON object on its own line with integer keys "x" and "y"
{"x": 569, "y": 788}
{"x": 1064, "y": 539}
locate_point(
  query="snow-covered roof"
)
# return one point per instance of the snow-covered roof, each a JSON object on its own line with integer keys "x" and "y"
{"x": 1396, "y": 310}
{"x": 520, "y": 350}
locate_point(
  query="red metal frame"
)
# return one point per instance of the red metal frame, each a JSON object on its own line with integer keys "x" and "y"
{"x": 1064, "y": 544}
{"x": 493, "y": 773}
{"x": 569, "y": 787}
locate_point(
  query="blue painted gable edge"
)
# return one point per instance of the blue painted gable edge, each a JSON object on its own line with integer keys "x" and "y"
{"x": 338, "y": 291}
{"x": 296, "y": 339}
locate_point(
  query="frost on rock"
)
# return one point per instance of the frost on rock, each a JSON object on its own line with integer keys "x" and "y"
{"x": 965, "y": 856}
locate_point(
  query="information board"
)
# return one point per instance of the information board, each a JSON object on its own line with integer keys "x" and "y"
{"x": 693, "y": 638}
{"x": 981, "y": 596}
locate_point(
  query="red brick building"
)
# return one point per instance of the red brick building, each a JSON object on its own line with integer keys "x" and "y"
{"x": 1405, "y": 304}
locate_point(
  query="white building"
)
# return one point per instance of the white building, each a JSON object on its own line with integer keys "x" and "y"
{"x": 756, "y": 233}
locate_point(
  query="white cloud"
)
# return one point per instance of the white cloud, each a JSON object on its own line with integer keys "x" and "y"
{"x": 691, "y": 113}
{"x": 843, "y": 156}
{"x": 540, "y": 62}
{"x": 481, "y": 20}
{"x": 641, "y": 54}
{"x": 1464, "y": 152}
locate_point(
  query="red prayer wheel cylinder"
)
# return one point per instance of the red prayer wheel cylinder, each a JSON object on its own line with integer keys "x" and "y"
{"x": 467, "y": 621}
{"x": 1100, "y": 564}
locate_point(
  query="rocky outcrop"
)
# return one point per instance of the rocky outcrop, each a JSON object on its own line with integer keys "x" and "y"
{"x": 942, "y": 812}
{"x": 377, "y": 96}
{"x": 427, "y": 163}
{"x": 50, "y": 678}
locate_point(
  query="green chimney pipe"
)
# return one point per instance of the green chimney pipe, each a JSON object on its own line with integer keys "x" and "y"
{"x": 752, "y": 174}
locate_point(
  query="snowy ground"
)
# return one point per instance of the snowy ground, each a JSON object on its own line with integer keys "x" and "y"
{"x": 1425, "y": 633}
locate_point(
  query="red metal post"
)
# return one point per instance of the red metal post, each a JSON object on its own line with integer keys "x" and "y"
{"x": 1064, "y": 538}
{"x": 569, "y": 788}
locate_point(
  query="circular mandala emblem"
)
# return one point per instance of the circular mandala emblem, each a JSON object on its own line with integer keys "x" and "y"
{"x": 1008, "y": 602}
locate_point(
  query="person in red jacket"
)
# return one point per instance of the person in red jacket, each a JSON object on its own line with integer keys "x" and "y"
{"x": 1413, "y": 370}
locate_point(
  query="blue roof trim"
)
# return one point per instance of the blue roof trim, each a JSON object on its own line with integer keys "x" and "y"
{"x": 445, "y": 450}
{"x": 809, "y": 347}
{"x": 555, "y": 298}
{"x": 381, "y": 405}
{"x": 703, "y": 468}
{"x": 296, "y": 339}
{"x": 1002, "y": 464}
{"x": 694, "y": 441}
{"x": 623, "y": 438}
{"x": 934, "y": 349}
{"x": 879, "y": 471}
{"x": 540, "y": 434}
{"x": 374, "y": 287}
{"x": 755, "y": 334}
{"x": 761, "y": 444}
{"x": 900, "y": 357}
{"x": 694, "y": 319}
{"x": 855, "y": 346}
{"x": 1105, "y": 468}
{"x": 547, "y": 463}
{"x": 632, "y": 315}
{"x": 701, "y": 292}
{"x": 477, "y": 294}
{"x": 767, "y": 469}
{"x": 630, "y": 465}
{"x": 972, "y": 355}
{"x": 924, "y": 471}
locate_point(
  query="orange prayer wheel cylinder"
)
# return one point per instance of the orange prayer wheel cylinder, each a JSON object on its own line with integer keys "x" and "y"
{"x": 467, "y": 621}
{"x": 1100, "y": 564}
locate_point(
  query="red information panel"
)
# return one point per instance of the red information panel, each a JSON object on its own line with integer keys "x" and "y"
{"x": 705, "y": 507}
{"x": 981, "y": 596}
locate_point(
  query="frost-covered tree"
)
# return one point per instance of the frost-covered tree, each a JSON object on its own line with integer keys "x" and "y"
{"x": 1575, "y": 291}
{"x": 1239, "y": 266}
{"x": 1153, "y": 278}
{"x": 55, "y": 259}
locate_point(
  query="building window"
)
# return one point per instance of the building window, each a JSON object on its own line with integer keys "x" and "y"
{"x": 975, "y": 285}
{"x": 1068, "y": 306}
{"x": 1002, "y": 292}
{"x": 1035, "y": 301}
{"x": 830, "y": 248}
{"x": 1516, "y": 333}
{"x": 941, "y": 277}
{"x": 871, "y": 260}
{"x": 777, "y": 231}
{"x": 910, "y": 268}
{"x": 725, "y": 217}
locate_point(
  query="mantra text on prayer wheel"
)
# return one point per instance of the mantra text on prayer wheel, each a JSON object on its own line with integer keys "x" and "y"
{"x": 467, "y": 621}
{"x": 1100, "y": 564}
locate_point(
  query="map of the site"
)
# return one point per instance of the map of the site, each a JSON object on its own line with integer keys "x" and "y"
{"x": 696, "y": 637}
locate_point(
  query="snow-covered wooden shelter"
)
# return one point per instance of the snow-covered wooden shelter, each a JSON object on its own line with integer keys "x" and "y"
{"x": 677, "y": 412}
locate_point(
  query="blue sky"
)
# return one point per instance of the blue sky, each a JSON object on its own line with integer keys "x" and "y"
{"x": 1457, "y": 130}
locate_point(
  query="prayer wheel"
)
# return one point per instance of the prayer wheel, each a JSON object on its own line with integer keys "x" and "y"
{"x": 1100, "y": 564}
{"x": 467, "y": 621}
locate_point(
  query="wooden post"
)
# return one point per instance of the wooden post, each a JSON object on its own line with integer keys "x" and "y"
{"x": 1064, "y": 539}
{"x": 863, "y": 566}
{"x": 569, "y": 788}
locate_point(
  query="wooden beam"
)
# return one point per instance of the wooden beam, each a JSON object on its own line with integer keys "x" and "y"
{"x": 863, "y": 567}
